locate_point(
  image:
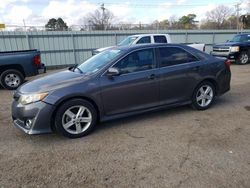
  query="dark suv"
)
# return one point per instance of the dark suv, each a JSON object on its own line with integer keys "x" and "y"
{"x": 119, "y": 82}
{"x": 236, "y": 49}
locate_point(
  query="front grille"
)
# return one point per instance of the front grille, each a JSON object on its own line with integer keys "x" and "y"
{"x": 221, "y": 49}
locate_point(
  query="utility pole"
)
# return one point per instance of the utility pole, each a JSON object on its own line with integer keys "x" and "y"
{"x": 237, "y": 6}
{"x": 103, "y": 11}
{"x": 24, "y": 25}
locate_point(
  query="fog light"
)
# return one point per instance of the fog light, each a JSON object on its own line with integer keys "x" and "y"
{"x": 28, "y": 123}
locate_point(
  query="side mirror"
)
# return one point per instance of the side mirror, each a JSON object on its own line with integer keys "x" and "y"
{"x": 112, "y": 71}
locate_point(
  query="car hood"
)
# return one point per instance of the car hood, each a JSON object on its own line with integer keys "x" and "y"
{"x": 52, "y": 82}
{"x": 227, "y": 44}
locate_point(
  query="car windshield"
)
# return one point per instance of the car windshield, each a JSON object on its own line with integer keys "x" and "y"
{"x": 241, "y": 38}
{"x": 98, "y": 61}
{"x": 127, "y": 41}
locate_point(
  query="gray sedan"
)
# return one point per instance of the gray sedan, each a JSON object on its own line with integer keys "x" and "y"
{"x": 119, "y": 82}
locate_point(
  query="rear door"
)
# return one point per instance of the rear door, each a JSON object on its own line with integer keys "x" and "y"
{"x": 176, "y": 76}
{"x": 136, "y": 88}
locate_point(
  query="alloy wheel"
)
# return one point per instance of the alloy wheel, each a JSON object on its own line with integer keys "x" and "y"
{"x": 204, "y": 95}
{"x": 76, "y": 119}
{"x": 244, "y": 58}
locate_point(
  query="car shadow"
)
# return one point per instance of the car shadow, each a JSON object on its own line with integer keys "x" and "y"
{"x": 126, "y": 121}
{"x": 135, "y": 119}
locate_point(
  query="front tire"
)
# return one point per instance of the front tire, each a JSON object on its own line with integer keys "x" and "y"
{"x": 243, "y": 58}
{"x": 11, "y": 79}
{"x": 75, "y": 118}
{"x": 203, "y": 96}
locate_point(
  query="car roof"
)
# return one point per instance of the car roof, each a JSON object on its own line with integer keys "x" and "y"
{"x": 155, "y": 45}
{"x": 127, "y": 49}
{"x": 147, "y": 34}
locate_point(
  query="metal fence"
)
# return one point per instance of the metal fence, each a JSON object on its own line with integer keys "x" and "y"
{"x": 69, "y": 47}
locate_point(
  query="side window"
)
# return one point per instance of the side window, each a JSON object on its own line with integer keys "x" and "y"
{"x": 244, "y": 38}
{"x": 160, "y": 39}
{"x": 144, "y": 40}
{"x": 137, "y": 61}
{"x": 174, "y": 56}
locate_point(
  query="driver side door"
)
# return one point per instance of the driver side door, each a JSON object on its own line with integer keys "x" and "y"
{"x": 137, "y": 87}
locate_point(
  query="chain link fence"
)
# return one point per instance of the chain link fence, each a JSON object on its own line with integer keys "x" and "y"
{"x": 63, "y": 48}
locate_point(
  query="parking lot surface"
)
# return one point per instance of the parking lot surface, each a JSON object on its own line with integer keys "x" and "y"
{"x": 178, "y": 147}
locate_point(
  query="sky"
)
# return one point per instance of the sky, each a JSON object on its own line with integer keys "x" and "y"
{"x": 38, "y": 12}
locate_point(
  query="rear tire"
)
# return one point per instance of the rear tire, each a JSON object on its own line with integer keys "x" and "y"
{"x": 243, "y": 58}
{"x": 75, "y": 118}
{"x": 11, "y": 79}
{"x": 203, "y": 96}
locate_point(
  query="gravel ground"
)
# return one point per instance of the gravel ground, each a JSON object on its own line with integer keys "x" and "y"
{"x": 179, "y": 147}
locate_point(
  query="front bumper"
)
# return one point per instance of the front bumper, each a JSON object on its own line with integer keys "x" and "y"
{"x": 39, "y": 114}
{"x": 233, "y": 56}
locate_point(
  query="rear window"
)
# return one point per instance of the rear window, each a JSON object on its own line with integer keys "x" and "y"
{"x": 174, "y": 56}
{"x": 160, "y": 39}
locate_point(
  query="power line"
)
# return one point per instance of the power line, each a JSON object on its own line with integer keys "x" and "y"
{"x": 157, "y": 5}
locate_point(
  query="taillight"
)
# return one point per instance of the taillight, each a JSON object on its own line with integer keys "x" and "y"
{"x": 228, "y": 63}
{"x": 37, "y": 60}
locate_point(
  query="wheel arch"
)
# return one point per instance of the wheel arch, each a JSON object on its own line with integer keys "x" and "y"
{"x": 212, "y": 81}
{"x": 15, "y": 67}
{"x": 57, "y": 106}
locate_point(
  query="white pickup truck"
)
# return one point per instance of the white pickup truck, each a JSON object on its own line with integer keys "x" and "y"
{"x": 147, "y": 39}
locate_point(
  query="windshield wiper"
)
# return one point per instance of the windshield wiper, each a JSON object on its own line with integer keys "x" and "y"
{"x": 74, "y": 67}
{"x": 78, "y": 69}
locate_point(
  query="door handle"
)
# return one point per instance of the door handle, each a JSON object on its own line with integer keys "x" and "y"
{"x": 152, "y": 76}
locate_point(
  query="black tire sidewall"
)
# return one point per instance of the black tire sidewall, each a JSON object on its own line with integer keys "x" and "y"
{"x": 67, "y": 105}
{"x": 195, "y": 105}
{"x": 239, "y": 61}
{"x": 10, "y": 71}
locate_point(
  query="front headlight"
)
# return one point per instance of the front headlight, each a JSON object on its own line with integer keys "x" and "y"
{"x": 234, "y": 49}
{"x": 31, "y": 98}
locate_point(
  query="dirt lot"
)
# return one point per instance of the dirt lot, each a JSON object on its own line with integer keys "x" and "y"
{"x": 172, "y": 148}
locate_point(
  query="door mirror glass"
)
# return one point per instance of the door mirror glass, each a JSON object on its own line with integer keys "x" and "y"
{"x": 112, "y": 71}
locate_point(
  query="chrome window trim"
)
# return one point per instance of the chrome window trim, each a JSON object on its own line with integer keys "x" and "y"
{"x": 198, "y": 59}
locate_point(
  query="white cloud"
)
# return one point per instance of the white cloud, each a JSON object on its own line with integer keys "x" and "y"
{"x": 121, "y": 12}
{"x": 200, "y": 11}
{"x": 17, "y": 14}
{"x": 5, "y": 3}
{"x": 14, "y": 11}
{"x": 245, "y": 6}
{"x": 179, "y": 2}
{"x": 70, "y": 10}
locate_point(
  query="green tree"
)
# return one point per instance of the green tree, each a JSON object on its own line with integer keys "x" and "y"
{"x": 245, "y": 20}
{"x": 56, "y": 25}
{"x": 188, "y": 21}
{"x": 164, "y": 24}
